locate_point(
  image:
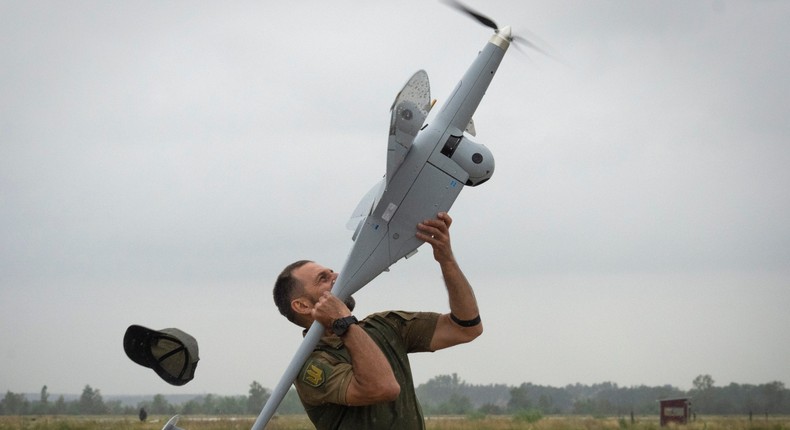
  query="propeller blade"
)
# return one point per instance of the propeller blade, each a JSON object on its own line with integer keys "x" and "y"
{"x": 524, "y": 40}
{"x": 488, "y": 22}
{"x": 482, "y": 19}
{"x": 518, "y": 40}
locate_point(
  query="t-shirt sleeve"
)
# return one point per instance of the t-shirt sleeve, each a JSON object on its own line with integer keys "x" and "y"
{"x": 323, "y": 379}
{"x": 416, "y": 328}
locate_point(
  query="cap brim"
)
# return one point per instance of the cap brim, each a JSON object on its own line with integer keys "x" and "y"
{"x": 137, "y": 344}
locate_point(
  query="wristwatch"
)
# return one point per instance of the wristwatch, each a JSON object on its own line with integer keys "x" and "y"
{"x": 340, "y": 326}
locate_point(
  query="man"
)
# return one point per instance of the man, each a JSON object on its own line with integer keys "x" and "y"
{"x": 359, "y": 376}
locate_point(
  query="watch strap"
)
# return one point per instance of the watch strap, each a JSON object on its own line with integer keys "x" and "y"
{"x": 340, "y": 326}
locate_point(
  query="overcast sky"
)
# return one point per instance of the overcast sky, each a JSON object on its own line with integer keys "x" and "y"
{"x": 160, "y": 162}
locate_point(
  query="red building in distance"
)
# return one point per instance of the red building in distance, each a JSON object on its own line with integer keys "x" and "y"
{"x": 675, "y": 410}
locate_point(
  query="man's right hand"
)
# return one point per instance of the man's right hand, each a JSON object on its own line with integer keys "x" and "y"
{"x": 328, "y": 309}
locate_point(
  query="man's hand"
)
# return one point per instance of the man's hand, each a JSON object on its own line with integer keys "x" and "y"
{"x": 329, "y": 308}
{"x": 436, "y": 232}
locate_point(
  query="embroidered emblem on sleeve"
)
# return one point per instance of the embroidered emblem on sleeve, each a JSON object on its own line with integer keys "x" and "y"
{"x": 314, "y": 374}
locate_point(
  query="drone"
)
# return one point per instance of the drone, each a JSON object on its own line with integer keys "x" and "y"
{"x": 427, "y": 167}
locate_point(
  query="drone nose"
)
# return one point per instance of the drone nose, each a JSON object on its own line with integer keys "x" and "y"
{"x": 502, "y": 37}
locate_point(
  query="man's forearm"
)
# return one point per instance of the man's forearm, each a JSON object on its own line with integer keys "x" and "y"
{"x": 461, "y": 325}
{"x": 463, "y": 303}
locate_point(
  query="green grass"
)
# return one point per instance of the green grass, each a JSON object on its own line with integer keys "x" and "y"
{"x": 476, "y": 422}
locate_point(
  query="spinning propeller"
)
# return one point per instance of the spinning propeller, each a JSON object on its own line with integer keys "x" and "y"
{"x": 488, "y": 22}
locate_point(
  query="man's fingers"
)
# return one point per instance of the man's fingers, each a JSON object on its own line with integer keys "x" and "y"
{"x": 444, "y": 216}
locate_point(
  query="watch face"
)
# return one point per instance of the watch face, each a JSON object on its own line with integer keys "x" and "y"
{"x": 340, "y": 326}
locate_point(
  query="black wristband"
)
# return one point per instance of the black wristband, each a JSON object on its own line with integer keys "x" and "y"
{"x": 466, "y": 323}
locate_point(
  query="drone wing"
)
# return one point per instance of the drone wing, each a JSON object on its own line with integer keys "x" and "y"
{"x": 365, "y": 206}
{"x": 408, "y": 113}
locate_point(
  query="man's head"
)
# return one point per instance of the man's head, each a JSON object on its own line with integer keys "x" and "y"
{"x": 286, "y": 288}
{"x": 298, "y": 288}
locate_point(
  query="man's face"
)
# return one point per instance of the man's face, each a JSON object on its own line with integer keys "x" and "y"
{"x": 315, "y": 280}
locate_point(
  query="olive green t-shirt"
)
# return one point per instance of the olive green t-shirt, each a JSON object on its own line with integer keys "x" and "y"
{"x": 326, "y": 374}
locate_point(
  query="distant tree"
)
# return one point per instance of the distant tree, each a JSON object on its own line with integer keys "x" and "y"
{"x": 44, "y": 395}
{"x": 439, "y": 389}
{"x": 491, "y": 409}
{"x": 60, "y": 406}
{"x": 210, "y": 405}
{"x": 91, "y": 402}
{"x": 41, "y": 407}
{"x": 703, "y": 382}
{"x": 258, "y": 396}
{"x": 116, "y": 407}
{"x": 232, "y": 405}
{"x": 435, "y": 395}
{"x": 14, "y": 404}
{"x": 192, "y": 407}
{"x": 773, "y": 394}
{"x": 703, "y": 393}
{"x": 291, "y": 404}
{"x": 545, "y": 403}
{"x": 160, "y": 405}
{"x": 597, "y": 407}
{"x": 457, "y": 404}
{"x": 519, "y": 399}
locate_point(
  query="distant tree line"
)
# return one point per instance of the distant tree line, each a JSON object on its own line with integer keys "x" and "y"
{"x": 92, "y": 403}
{"x": 450, "y": 395}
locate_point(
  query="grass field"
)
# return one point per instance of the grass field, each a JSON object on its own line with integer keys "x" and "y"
{"x": 432, "y": 423}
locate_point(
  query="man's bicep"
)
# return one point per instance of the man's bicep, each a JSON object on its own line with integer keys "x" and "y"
{"x": 449, "y": 334}
{"x": 443, "y": 335}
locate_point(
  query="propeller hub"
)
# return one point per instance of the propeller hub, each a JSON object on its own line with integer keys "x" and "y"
{"x": 502, "y": 37}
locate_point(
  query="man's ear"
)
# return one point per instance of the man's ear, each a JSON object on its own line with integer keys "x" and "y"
{"x": 301, "y": 306}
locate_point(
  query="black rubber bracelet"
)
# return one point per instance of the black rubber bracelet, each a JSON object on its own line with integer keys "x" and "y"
{"x": 466, "y": 323}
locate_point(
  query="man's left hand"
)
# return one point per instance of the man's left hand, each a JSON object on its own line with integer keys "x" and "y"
{"x": 436, "y": 232}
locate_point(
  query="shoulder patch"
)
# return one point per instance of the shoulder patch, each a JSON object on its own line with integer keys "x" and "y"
{"x": 315, "y": 374}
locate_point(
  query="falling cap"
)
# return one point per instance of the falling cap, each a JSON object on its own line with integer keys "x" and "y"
{"x": 172, "y": 353}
